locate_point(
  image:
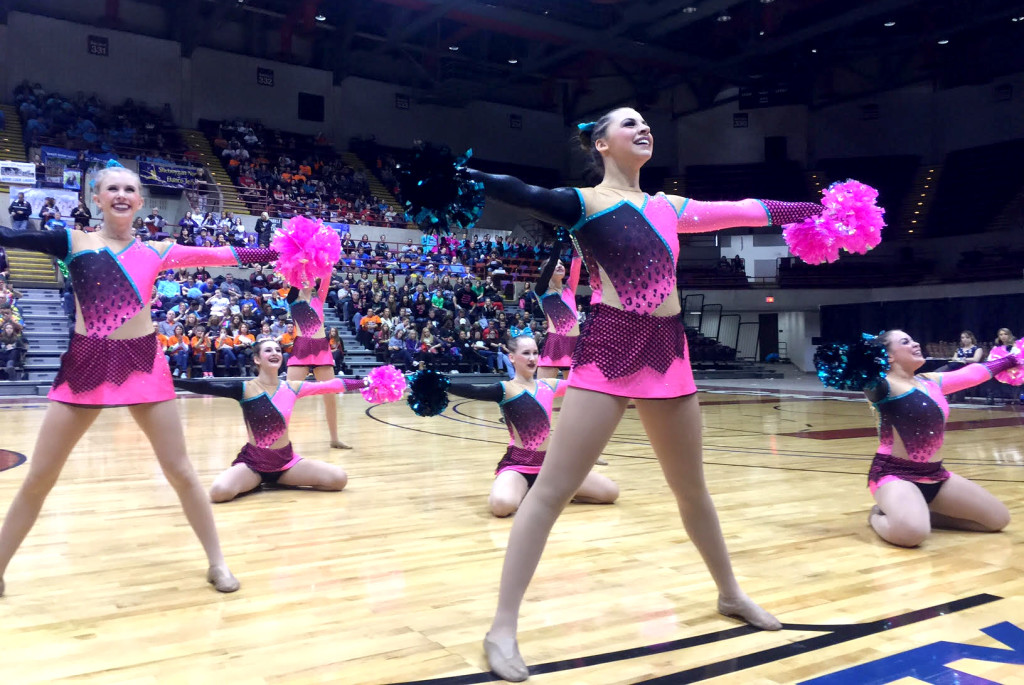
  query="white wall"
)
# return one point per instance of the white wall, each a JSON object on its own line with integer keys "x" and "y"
{"x": 708, "y": 137}
{"x": 920, "y": 120}
{"x": 223, "y": 85}
{"x": 42, "y": 50}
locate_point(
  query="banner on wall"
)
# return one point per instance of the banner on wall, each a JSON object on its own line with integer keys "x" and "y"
{"x": 169, "y": 175}
{"x": 66, "y": 200}
{"x": 48, "y": 153}
{"x": 18, "y": 172}
{"x": 73, "y": 179}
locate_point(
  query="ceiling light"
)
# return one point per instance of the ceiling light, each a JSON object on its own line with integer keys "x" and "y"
{"x": 320, "y": 17}
{"x": 453, "y": 48}
{"x": 513, "y": 61}
{"x": 943, "y": 41}
{"x": 767, "y": 2}
{"x": 724, "y": 18}
{"x": 890, "y": 24}
{"x": 689, "y": 10}
{"x": 761, "y": 34}
{"x": 815, "y": 50}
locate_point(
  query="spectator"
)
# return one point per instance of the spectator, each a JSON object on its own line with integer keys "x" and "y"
{"x": 264, "y": 229}
{"x": 177, "y": 349}
{"x": 82, "y": 216}
{"x": 154, "y": 224}
{"x": 12, "y": 350}
{"x": 55, "y": 222}
{"x": 21, "y": 212}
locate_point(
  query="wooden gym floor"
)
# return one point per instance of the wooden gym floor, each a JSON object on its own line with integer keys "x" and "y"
{"x": 395, "y": 579}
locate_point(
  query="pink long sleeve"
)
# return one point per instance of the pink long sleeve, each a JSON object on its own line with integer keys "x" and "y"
{"x": 185, "y": 256}
{"x": 574, "y": 272}
{"x": 975, "y": 374}
{"x": 703, "y": 217}
{"x": 331, "y": 387}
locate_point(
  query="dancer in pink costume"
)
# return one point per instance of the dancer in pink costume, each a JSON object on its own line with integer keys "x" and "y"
{"x": 114, "y": 359}
{"x": 267, "y": 405}
{"x": 311, "y": 350}
{"x": 632, "y": 346}
{"x": 912, "y": 489}
{"x": 526, "y": 406}
{"x": 558, "y": 300}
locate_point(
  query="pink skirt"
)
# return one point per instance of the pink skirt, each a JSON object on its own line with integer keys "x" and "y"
{"x": 311, "y": 352}
{"x": 267, "y": 459}
{"x": 520, "y": 460}
{"x": 102, "y": 372}
{"x": 558, "y": 350}
{"x": 626, "y": 354}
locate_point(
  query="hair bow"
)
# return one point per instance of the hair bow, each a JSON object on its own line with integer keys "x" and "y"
{"x": 587, "y": 127}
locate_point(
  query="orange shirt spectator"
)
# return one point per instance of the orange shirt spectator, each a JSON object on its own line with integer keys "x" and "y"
{"x": 368, "y": 319}
{"x": 305, "y": 170}
{"x": 241, "y": 340}
{"x": 200, "y": 345}
{"x": 224, "y": 339}
{"x": 287, "y": 340}
{"x": 286, "y": 177}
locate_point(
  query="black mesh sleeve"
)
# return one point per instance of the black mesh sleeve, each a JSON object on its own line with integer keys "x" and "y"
{"x": 53, "y": 243}
{"x": 560, "y": 206}
{"x": 229, "y": 389}
{"x": 493, "y": 392}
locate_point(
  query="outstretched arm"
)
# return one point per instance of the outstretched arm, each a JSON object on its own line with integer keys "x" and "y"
{"x": 574, "y": 272}
{"x": 549, "y": 269}
{"x": 331, "y": 387}
{"x": 702, "y": 217}
{"x": 493, "y": 392}
{"x": 54, "y": 243}
{"x": 184, "y": 256}
{"x": 974, "y": 374}
{"x": 560, "y": 206}
{"x": 230, "y": 389}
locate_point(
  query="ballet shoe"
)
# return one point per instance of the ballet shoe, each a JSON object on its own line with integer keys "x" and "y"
{"x": 222, "y": 579}
{"x": 510, "y": 667}
{"x": 601, "y": 462}
{"x": 746, "y": 610}
{"x": 339, "y": 445}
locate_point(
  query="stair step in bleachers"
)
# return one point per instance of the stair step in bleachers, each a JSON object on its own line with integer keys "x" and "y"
{"x": 198, "y": 143}
{"x": 12, "y": 144}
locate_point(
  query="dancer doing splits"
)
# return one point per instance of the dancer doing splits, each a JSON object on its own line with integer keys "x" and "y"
{"x": 312, "y": 350}
{"x": 114, "y": 359}
{"x": 525, "y": 404}
{"x": 632, "y": 346}
{"x": 267, "y": 404}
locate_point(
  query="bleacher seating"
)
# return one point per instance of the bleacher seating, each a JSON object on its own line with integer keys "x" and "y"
{"x": 975, "y": 186}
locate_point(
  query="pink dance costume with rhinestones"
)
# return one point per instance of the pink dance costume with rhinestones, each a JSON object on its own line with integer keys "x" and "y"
{"x": 918, "y": 418}
{"x": 634, "y": 345}
{"x": 266, "y": 418}
{"x": 560, "y": 310}
{"x": 110, "y": 289}
{"x": 310, "y": 349}
{"x": 527, "y": 416}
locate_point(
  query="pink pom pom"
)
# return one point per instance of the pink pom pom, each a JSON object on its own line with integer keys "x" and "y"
{"x": 852, "y": 206}
{"x": 1014, "y": 376}
{"x": 384, "y": 384}
{"x": 812, "y": 240}
{"x": 851, "y": 221}
{"x": 307, "y": 250}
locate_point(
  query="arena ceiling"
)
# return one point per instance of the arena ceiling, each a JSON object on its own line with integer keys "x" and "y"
{"x": 577, "y": 56}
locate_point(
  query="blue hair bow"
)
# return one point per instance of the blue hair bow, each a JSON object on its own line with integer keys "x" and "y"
{"x": 114, "y": 164}
{"x": 587, "y": 127}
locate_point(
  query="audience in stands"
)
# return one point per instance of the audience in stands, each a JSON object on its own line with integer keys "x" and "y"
{"x": 12, "y": 351}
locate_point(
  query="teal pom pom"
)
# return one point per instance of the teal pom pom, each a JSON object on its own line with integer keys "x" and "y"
{"x": 428, "y": 392}
{"x": 851, "y": 367}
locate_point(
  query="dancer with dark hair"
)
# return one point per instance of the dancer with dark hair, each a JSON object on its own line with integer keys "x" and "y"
{"x": 114, "y": 359}
{"x": 526, "y": 405}
{"x": 634, "y": 346}
{"x": 912, "y": 490}
{"x": 267, "y": 404}
{"x": 311, "y": 350}
{"x": 558, "y": 301}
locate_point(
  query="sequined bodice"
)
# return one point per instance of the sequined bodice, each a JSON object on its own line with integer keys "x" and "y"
{"x": 110, "y": 286}
{"x": 529, "y": 415}
{"x": 918, "y": 417}
{"x": 267, "y": 417}
{"x": 637, "y": 247}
